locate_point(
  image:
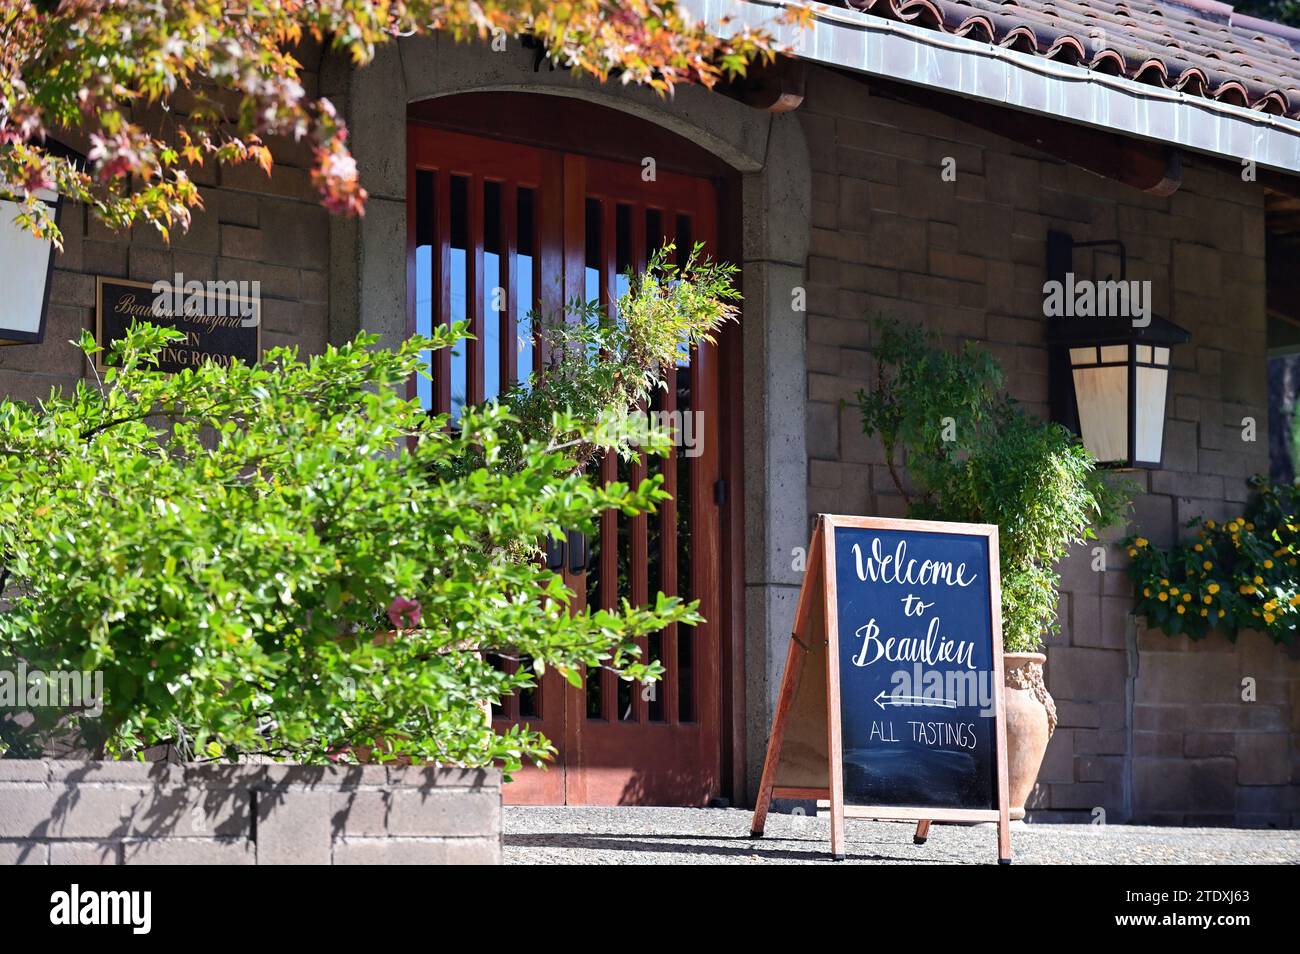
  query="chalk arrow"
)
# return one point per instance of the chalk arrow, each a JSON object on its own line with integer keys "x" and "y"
{"x": 883, "y": 700}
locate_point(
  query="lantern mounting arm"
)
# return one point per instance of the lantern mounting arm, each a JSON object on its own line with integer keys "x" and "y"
{"x": 1060, "y": 254}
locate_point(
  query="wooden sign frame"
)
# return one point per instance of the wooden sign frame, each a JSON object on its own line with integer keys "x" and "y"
{"x": 800, "y": 704}
{"x": 102, "y": 280}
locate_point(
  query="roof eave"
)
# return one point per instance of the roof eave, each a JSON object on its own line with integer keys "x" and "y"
{"x": 995, "y": 74}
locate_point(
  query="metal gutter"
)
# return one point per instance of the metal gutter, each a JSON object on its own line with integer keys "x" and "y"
{"x": 910, "y": 54}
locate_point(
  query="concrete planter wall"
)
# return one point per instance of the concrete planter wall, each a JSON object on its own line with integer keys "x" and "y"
{"x": 56, "y": 812}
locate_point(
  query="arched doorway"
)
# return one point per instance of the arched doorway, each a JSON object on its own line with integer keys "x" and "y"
{"x": 517, "y": 201}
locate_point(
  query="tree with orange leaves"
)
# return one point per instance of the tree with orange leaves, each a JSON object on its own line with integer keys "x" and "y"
{"x": 226, "y": 75}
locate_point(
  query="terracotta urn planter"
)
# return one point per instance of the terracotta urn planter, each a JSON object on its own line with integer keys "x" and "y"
{"x": 1031, "y": 719}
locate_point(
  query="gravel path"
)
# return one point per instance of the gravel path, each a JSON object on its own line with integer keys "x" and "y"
{"x": 626, "y": 836}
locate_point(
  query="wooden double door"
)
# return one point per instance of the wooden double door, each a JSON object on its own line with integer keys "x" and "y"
{"x": 496, "y": 230}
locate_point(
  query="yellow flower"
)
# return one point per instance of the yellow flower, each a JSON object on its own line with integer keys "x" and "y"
{"x": 1198, "y": 548}
{"x": 1163, "y": 597}
{"x": 1141, "y": 541}
{"x": 1222, "y": 613}
{"x": 1295, "y": 600}
{"x": 1187, "y": 597}
{"x": 1173, "y": 591}
{"x": 1181, "y": 610}
{"x": 1210, "y": 524}
{"x": 1164, "y": 582}
{"x": 1207, "y": 600}
{"x": 1205, "y": 612}
{"x": 1146, "y": 591}
{"x": 1268, "y": 617}
{"x": 1250, "y": 526}
{"x": 1207, "y": 565}
{"x": 1213, "y": 587}
{"x": 1132, "y": 552}
{"x": 1258, "y": 580}
{"x": 1268, "y": 564}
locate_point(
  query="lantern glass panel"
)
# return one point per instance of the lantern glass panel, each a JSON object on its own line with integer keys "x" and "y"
{"x": 25, "y": 259}
{"x": 1112, "y": 353}
{"x": 1083, "y": 356}
{"x": 1101, "y": 394}
{"x": 1149, "y": 413}
{"x": 1162, "y": 355}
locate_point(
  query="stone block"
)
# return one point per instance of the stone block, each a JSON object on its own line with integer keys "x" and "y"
{"x": 238, "y": 241}
{"x": 189, "y": 851}
{"x": 24, "y": 853}
{"x": 1263, "y": 758}
{"x": 433, "y": 812}
{"x": 1209, "y": 744}
{"x": 1191, "y": 678}
{"x": 85, "y": 853}
{"x": 293, "y": 827}
{"x": 391, "y": 851}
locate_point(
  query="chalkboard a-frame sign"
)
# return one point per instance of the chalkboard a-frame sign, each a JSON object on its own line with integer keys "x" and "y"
{"x": 891, "y": 703}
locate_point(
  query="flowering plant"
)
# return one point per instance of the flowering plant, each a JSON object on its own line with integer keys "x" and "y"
{"x": 1230, "y": 576}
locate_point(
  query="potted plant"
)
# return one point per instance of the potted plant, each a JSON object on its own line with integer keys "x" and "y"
{"x": 973, "y": 455}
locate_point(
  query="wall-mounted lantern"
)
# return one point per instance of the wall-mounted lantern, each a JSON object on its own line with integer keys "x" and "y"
{"x": 1109, "y": 371}
{"x": 27, "y": 265}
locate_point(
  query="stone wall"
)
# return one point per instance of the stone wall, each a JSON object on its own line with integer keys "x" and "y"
{"x": 112, "y": 813}
{"x": 1150, "y": 727}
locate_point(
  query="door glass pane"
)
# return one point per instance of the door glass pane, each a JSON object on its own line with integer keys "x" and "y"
{"x": 685, "y": 581}
{"x": 524, "y": 285}
{"x": 494, "y": 296}
{"x": 499, "y": 664}
{"x": 458, "y": 282}
{"x": 622, "y": 249}
{"x": 424, "y": 297}
{"x": 592, "y": 258}
{"x": 683, "y": 242}
{"x": 529, "y": 699}
{"x": 654, "y": 231}
{"x": 594, "y": 693}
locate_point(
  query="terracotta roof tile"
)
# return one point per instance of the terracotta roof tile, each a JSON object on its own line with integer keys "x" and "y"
{"x": 1199, "y": 47}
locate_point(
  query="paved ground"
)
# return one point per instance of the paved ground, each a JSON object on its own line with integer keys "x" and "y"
{"x": 626, "y": 836}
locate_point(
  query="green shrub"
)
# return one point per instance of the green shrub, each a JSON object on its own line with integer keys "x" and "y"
{"x": 293, "y": 560}
{"x": 1229, "y": 576}
{"x": 973, "y": 455}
